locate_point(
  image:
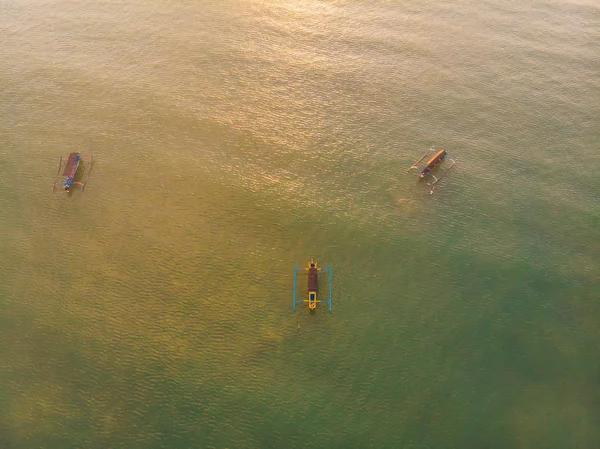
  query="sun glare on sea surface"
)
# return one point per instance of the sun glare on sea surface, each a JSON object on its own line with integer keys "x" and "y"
{"x": 305, "y": 7}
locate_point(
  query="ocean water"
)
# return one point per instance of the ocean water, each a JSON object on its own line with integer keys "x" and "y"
{"x": 234, "y": 139}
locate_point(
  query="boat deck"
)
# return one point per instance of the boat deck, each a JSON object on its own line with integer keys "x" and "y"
{"x": 436, "y": 158}
{"x": 313, "y": 279}
{"x": 72, "y": 162}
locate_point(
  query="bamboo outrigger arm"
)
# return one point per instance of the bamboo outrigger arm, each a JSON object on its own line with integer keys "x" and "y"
{"x": 415, "y": 165}
{"x": 444, "y": 173}
{"x": 57, "y": 173}
{"x": 87, "y": 175}
{"x": 436, "y": 180}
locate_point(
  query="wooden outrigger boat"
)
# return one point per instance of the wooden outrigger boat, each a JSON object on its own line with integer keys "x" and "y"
{"x": 70, "y": 170}
{"x": 313, "y": 285}
{"x": 433, "y": 162}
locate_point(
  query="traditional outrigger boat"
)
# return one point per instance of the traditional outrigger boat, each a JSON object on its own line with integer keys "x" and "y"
{"x": 313, "y": 285}
{"x": 437, "y": 158}
{"x": 71, "y": 165}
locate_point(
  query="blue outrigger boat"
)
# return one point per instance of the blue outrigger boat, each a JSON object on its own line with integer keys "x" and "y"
{"x": 71, "y": 166}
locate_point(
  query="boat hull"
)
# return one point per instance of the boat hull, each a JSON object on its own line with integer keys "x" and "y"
{"x": 436, "y": 159}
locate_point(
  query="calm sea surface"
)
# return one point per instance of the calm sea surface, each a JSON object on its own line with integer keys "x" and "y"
{"x": 233, "y": 139}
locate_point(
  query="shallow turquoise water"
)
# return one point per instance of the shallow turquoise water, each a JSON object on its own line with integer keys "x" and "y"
{"x": 234, "y": 139}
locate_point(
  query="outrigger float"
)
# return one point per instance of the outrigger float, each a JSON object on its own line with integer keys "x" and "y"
{"x": 437, "y": 158}
{"x": 71, "y": 165}
{"x": 313, "y": 285}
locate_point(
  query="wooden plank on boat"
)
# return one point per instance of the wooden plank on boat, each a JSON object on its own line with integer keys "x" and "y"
{"x": 70, "y": 163}
{"x": 313, "y": 279}
{"x": 435, "y": 159}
